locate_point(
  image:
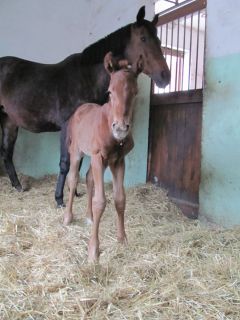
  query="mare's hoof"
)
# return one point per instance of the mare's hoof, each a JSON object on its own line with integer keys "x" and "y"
{"x": 19, "y": 188}
{"x": 60, "y": 204}
{"x": 78, "y": 194}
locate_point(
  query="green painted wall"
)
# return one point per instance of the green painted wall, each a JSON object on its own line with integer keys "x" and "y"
{"x": 220, "y": 175}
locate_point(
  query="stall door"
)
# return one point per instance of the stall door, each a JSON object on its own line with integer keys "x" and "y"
{"x": 174, "y": 157}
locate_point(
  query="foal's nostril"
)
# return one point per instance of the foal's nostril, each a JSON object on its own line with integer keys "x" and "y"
{"x": 127, "y": 126}
{"x": 114, "y": 124}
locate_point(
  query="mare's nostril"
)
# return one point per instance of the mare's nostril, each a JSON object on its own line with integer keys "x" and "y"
{"x": 127, "y": 126}
{"x": 163, "y": 74}
{"x": 114, "y": 125}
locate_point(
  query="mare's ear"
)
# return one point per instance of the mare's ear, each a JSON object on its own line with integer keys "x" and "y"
{"x": 140, "y": 15}
{"x": 139, "y": 65}
{"x": 155, "y": 19}
{"x": 109, "y": 63}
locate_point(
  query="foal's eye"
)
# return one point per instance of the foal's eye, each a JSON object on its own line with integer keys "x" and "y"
{"x": 143, "y": 39}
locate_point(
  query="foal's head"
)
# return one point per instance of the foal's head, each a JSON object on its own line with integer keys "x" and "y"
{"x": 122, "y": 92}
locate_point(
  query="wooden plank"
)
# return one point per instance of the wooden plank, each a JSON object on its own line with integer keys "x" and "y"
{"x": 184, "y": 97}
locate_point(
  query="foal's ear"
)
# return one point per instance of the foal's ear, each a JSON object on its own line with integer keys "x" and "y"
{"x": 155, "y": 19}
{"x": 141, "y": 15}
{"x": 139, "y": 65}
{"x": 109, "y": 63}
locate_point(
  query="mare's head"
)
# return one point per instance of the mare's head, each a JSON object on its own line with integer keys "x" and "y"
{"x": 122, "y": 92}
{"x": 144, "y": 41}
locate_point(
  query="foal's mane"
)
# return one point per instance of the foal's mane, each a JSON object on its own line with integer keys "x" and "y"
{"x": 114, "y": 42}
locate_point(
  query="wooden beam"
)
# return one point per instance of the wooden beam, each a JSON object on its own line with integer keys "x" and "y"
{"x": 182, "y": 11}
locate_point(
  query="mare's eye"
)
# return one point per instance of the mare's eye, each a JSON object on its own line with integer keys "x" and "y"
{"x": 143, "y": 39}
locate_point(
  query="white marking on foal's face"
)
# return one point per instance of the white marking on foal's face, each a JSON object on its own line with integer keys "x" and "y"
{"x": 120, "y": 134}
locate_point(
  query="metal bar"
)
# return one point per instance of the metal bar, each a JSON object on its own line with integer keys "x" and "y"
{"x": 190, "y": 54}
{"x": 166, "y": 45}
{"x": 183, "y": 9}
{"x": 170, "y": 86}
{"x": 203, "y": 78}
{"x": 184, "y": 43}
{"x": 166, "y": 38}
{"x": 176, "y": 77}
{"x": 197, "y": 49}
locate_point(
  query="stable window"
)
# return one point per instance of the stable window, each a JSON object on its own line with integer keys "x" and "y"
{"x": 181, "y": 29}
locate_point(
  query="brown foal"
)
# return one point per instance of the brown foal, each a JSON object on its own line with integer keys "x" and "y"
{"x": 104, "y": 133}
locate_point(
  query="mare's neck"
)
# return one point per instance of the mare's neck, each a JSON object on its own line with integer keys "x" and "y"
{"x": 116, "y": 42}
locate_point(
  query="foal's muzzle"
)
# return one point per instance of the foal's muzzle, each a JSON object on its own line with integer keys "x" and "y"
{"x": 120, "y": 130}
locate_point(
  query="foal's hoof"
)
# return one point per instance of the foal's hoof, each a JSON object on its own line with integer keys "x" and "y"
{"x": 93, "y": 257}
{"x": 122, "y": 240}
{"x": 67, "y": 219}
{"x": 88, "y": 221}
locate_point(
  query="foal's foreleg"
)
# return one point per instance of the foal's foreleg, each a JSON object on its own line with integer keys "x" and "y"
{"x": 90, "y": 188}
{"x": 9, "y": 136}
{"x": 98, "y": 205}
{"x": 72, "y": 183}
{"x": 118, "y": 170}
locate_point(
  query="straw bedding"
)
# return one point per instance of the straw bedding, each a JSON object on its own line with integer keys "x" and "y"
{"x": 173, "y": 268}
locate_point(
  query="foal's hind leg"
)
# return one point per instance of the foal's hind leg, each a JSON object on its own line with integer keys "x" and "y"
{"x": 72, "y": 183}
{"x": 78, "y": 194}
{"x": 9, "y": 136}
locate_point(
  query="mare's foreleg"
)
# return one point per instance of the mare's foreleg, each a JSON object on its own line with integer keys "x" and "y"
{"x": 119, "y": 196}
{"x": 72, "y": 183}
{"x": 64, "y": 167}
{"x": 9, "y": 136}
{"x": 98, "y": 205}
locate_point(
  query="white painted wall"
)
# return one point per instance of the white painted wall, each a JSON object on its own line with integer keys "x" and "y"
{"x": 223, "y": 28}
{"x": 48, "y": 31}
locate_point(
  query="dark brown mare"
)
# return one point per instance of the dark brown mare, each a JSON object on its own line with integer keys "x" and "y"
{"x": 41, "y": 97}
{"x": 103, "y": 133}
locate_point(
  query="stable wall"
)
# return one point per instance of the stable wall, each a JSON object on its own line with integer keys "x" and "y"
{"x": 220, "y": 174}
{"x": 48, "y": 31}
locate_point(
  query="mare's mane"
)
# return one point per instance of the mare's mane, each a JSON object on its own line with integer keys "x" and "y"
{"x": 114, "y": 42}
